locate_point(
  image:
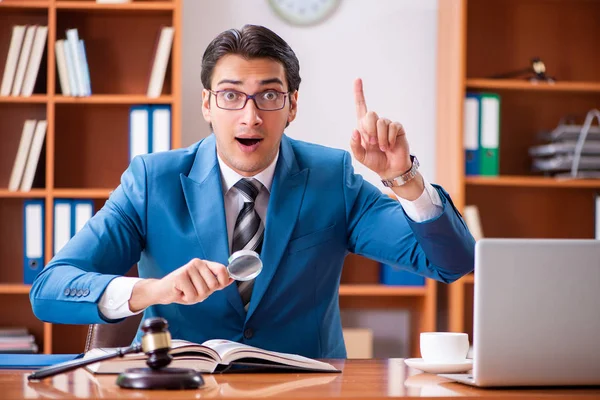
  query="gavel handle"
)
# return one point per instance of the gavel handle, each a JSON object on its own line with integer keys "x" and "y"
{"x": 74, "y": 364}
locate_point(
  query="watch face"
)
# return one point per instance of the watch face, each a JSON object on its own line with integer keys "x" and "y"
{"x": 304, "y": 12}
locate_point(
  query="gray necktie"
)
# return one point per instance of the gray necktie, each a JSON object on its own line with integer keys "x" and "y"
{"x": 248, "y": 231}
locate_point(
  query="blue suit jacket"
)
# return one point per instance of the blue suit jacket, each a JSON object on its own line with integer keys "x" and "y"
{"x": 169, "y": 209}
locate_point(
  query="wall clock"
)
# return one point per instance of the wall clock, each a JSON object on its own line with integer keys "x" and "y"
{"x": 304, "y": 12}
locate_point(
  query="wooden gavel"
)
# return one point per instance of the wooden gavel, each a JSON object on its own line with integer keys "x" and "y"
{"x": 156, "y": 344}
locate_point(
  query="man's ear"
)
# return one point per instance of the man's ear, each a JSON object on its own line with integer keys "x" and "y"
{"x": 293, "y": 106}
{"x": 206, "y": 105}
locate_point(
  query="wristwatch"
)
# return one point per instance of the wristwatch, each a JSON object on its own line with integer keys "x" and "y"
{"x": 405, "y": 177}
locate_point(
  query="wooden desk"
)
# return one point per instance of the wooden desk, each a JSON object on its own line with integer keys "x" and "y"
{"x": 360, "y": 379}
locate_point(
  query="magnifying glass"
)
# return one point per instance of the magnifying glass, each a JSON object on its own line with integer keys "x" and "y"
{"x": 244, "y": 265}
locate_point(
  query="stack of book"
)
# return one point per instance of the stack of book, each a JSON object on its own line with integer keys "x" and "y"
{"x": 17, "y": 340}
{"x": 23, "y": 60}
{"x": 557, "y": 155}
{"x": 28, "y": 155}
{"x": 72, "y": 65}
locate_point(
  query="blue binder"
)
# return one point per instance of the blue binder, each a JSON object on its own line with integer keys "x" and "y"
{"x": 33, "y": 239}
{"x": 159, "y": 133}
{"x": 76, "y": 224}
{"x": 390, "y": 275}
{"x": 471, "y": 133}
{"x": 140, "y": 130}
{"x": 62, "y": 232}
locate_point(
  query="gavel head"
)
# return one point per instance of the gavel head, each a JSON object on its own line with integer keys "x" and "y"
{"x": 156, "y": 342}
{"x": 539, "y": 68}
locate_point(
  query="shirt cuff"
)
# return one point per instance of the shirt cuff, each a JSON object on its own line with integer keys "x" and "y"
{"x": 427, "y": 206}
{"x": 114, "y": 303}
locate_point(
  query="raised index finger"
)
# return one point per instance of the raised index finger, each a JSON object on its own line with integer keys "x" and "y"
{"x": 359, "y": 99}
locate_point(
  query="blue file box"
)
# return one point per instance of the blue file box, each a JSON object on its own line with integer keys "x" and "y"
{"x": 393, "y": 276}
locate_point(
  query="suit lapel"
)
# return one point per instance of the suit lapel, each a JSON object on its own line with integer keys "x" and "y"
{"x": 204, "y": 197}
{"x": 286, "y": 197}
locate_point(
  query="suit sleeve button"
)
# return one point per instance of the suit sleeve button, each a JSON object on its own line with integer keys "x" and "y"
{"x": 66, "y": 292}
{"x": 86, "y": 292}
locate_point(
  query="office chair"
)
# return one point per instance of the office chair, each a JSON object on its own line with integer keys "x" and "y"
{"x": 120, "y": 334}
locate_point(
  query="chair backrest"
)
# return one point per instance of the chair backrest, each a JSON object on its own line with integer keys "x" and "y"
{"x": 120, "y": 334}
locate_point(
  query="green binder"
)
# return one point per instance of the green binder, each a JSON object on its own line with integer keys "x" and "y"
{"x": 489, "y": 135}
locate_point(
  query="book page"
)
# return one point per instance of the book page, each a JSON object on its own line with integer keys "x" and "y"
{"x": 230, "y": 351}
{"x": 180, "y": 347}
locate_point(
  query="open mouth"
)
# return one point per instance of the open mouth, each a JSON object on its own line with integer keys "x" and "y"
{"x": 248, "y": 142}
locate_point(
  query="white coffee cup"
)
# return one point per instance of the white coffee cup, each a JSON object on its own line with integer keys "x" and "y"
{"x": 444, "y": 347}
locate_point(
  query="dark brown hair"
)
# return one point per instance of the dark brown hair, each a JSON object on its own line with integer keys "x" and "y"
{"x": 252, "y": 41}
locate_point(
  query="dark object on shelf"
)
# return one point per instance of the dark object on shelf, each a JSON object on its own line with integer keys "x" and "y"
{"x": 156, "y": 343}
{"x": 536, "y": 72}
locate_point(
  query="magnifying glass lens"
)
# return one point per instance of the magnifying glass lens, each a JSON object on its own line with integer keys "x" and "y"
{"x": 244, "y": 265}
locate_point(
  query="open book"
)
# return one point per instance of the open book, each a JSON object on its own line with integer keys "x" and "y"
{"x": 212, "y": 356}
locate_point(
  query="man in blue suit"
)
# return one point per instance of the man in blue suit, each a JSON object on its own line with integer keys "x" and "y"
{"x": 180, "y": 214}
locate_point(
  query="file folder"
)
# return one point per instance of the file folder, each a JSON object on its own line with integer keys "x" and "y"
{"x": 62, "y": 223}
{"x": 471, "y": 133}
{"x": 69, "y": 217}
{"x": 160, "y": 131}
{"x": 139, "y": 131}
{"x": 489, "y": 134}
{"x": 33, "y": 239}
{"x": 34, "y": 361}
{"x": 82, "y": 210}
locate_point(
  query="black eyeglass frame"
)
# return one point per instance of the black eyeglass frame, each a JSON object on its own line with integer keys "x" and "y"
{"x": 248, "y": 97}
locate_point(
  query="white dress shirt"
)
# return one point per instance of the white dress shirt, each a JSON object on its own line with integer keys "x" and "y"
{"x": 114, "y": 303}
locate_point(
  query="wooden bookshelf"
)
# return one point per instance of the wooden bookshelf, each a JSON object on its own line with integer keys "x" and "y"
{"x": 36, "y": 98}
{"x": 514, "y": 84}
{"x": 87, "y": 145}
{"x": 7, "y": 288}
{"x": 381, "y": 290}
{"x": 481, "y": 38}
{"x": 24, "y": 4}
{"x": 133, "y": 6}
{"x": 532, "y": 181}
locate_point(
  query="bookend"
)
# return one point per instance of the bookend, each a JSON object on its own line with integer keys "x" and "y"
{"x": 156, "y": 343}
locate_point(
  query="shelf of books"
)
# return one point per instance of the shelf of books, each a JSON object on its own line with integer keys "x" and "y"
{"x": 82, "y": 82}
{"x": 512, "y": 107}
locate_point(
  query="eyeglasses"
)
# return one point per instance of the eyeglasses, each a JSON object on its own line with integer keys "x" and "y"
{"x": 268, "y": 100}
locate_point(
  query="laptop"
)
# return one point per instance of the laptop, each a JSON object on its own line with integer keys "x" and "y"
{"x": 536, "y": 313}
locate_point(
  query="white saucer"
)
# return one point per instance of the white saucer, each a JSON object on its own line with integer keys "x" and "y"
{"x": 440, "y": 368}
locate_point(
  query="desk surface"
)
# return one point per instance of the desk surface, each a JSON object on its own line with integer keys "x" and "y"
{"x": 360, "y": 379}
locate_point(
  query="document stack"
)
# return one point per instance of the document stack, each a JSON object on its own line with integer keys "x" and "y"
{"x": 17, "y": 340}
{"x": 570, "y": 150}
